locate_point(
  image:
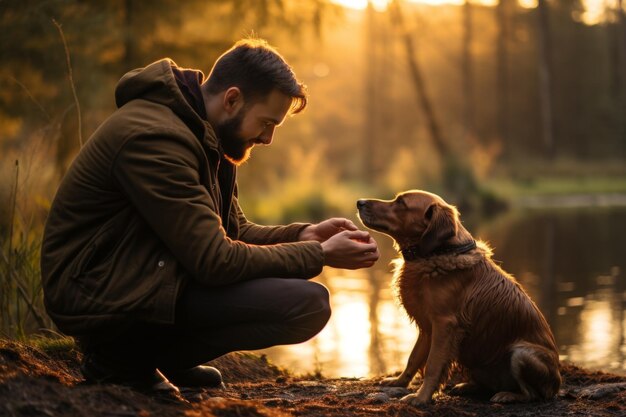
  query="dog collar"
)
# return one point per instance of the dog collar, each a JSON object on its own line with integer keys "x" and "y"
{"x": 413, "y": 253}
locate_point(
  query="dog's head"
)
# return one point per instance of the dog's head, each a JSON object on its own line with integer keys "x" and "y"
{"x": 413, "y": 218}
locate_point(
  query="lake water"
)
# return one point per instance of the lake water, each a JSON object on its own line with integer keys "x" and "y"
{"x": 572, "y": 262}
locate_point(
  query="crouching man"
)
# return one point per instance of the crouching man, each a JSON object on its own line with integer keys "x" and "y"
{"x": 147, "y": 258}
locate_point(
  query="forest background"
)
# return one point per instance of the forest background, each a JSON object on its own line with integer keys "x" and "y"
{"x": 483, "y": 103}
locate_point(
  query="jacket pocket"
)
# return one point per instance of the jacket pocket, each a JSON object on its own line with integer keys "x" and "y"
{"x": 83, "y": 260}
{"x": 98, "y": 253}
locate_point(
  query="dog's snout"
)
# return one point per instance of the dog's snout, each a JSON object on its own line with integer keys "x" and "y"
{"x": 360, "y": 204}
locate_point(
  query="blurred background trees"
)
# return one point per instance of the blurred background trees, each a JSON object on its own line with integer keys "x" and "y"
{"x": 504, "y": 82}
{"x": 403, "y": 94}
{"x": 486, "y": 103}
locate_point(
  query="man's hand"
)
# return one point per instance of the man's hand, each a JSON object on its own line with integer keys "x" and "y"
{"x": 326, "y": 229}
{"x": 350, "y": 249}
{"x": 344, "y": 245}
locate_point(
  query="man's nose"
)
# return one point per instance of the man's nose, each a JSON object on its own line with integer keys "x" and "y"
{"x": 266, "y": 137}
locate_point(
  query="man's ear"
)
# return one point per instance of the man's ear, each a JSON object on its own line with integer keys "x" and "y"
{"x": 233, "y": 100}
{"x": 442, "y": 225}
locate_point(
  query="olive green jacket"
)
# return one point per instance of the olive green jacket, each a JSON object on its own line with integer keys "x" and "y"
{"x": 140, "y": 212}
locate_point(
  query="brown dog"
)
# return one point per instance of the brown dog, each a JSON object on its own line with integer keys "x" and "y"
{"x": 469, "y": 311}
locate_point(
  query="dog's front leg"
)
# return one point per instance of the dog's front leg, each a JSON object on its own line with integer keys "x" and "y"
{"x": 443, "y": 350}
{"x": 416, "y": 361}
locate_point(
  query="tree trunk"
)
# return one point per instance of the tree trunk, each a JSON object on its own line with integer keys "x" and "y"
{"x": 502, "y": 87}
{"x": 370, "y": 95}
{"x": 420, "y": 87}
{"x": 620, "y": 72}
{"x": 545, "y": 78}
{"x": 457, "y": 178}
{"x": 130, "y": 44}
{"x": 468, "y": 75}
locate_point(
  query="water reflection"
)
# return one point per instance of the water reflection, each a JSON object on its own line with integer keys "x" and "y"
{"x": 571, "y": 262}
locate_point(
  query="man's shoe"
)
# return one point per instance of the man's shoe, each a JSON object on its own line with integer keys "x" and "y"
{"x": 96, "y": 370}
{"x": 199, "y": 376}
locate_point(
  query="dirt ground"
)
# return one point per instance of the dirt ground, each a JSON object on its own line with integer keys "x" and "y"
{"x": 34, "y": 383}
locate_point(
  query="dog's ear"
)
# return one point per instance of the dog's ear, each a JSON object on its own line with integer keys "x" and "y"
{"x": 442, "y": 225}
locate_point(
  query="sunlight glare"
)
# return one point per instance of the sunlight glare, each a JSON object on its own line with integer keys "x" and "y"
{"x": 528, "y": 4}
{"x": 353, "y": 329}
{"x": 595, "y": 10}
{"x": 397, "y": 332}
{"x": 381, "y": 5}
{"x": 598, "y": 337}
{"x": 362, "y": 4}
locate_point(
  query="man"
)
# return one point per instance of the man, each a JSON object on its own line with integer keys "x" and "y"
{"x": 147, "y": 257}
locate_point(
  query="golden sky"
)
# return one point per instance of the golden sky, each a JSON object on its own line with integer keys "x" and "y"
{"x": 592, "y": 15}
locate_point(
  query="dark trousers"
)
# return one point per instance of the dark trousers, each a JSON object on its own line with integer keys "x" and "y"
{"x": 211, "y": 322}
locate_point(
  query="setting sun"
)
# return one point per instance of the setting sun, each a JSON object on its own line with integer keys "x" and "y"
{"x": 382, "y": 4}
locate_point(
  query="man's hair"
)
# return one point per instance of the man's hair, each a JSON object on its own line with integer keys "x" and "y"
{"x": 256, "y": 68}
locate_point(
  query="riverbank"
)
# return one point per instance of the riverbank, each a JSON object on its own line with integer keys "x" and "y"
{"x": 38, "y": 383}
{"x": 560, "y": 191}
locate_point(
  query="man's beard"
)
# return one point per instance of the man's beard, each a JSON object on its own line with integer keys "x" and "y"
{"x": 236, "y": 149}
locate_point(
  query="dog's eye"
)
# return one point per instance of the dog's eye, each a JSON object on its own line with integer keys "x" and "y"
{"x": 401, "y": 203}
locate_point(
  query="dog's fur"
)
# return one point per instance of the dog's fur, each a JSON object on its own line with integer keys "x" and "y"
{"x": 468, "y": 310}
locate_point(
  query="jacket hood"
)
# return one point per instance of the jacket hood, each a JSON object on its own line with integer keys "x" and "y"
{"x": 157, "y": 83}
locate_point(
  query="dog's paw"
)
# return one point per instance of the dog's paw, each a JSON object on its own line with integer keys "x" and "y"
{"x": 393, "y": 382}
{"x": 505, "y": 397}
{"x": 464, "y": 389}
{"x": 415, "y": 400}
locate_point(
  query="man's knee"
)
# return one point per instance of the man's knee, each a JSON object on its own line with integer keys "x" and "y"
{"x": 315, "y": 311}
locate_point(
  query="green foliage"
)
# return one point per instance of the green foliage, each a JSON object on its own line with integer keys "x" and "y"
{"x": 54, "y": 345}
{"x": 107, "y": 39}
{"x": 21, "y": 298}
{"x": 303, "y": 190}
{"x": 21, "y": 302}
{"x": 565, "y": 176}
{"x": 314, "y": 207}
{"x": 25, "y": 185}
